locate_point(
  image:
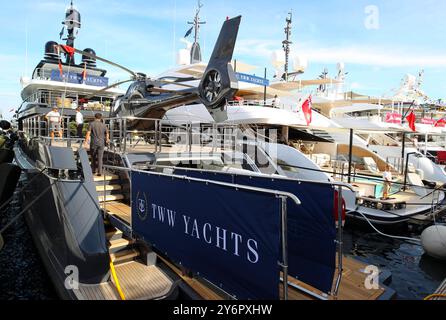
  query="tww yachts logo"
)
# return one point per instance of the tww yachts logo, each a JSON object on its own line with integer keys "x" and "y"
{"x": 142, "y": 203}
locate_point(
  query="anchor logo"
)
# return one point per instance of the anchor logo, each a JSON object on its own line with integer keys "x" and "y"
{"x": 142, "y": 206}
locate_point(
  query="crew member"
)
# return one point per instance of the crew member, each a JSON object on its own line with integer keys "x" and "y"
{"x": 79, "y": 123}
{"x": 387, "y": 182}
{"x": 54, "y": 122}
{"x": 98, "y": 137}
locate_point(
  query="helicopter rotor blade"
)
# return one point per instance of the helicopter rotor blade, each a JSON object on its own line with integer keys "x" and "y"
{"x": 92, "y": 56}
{"x": 117, "y": 84}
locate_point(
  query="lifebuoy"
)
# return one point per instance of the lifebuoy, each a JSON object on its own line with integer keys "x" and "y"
{"x": 335, "y": 209}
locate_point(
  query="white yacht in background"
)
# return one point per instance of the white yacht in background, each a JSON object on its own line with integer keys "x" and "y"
{"x": 319, "y": 151}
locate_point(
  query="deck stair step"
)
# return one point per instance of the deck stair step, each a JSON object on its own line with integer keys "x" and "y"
{"x": 108, "y": 177}
{"x": 112, "y": 187}
{"x": 111, "y": 198}
{"x": 114, "y": 234}
{"x": 124, "y": 256}
{"x": 119, "y": 245}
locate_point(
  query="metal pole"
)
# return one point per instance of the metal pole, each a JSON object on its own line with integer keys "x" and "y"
{"x": 350, "y": 157}
{"x": 156, "y": 136}
{"x": 406, "y": 169}
{"x": 264, "y": 89}
{"x": 285, "y": 247}
{"x": 160, "y": 129}
{"x": 340, "y": 240}
{"x": 104, "y": 203}
{"x": 403, "y": 151}
{"x": 125, "y": 134}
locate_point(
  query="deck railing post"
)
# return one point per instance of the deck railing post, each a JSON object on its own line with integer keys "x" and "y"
{"x": 340, "y": 242}
{"x": 125, "y": 135}
{"x": 156, "y": 135}
{"x": 104, "y": 202}
{"x": 284, "y": 246}
{"x": 160, "y": 135}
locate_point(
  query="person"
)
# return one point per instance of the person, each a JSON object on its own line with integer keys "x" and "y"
{"x": 387, "y": 182}
{"x": 415, "y": 142}
{"x": 99, "y": 137}
{"x": 276, "y": 101}
{"x": 55, "y": 122}
{"x": 79, "y": 123}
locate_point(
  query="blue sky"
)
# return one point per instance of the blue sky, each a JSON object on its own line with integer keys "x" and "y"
{"x": 145, "y": 34}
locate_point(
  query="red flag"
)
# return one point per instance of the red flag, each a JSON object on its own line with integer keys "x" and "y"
{"x": 307, "y": 110}
{"x": 412, "y": 118}
{"x": 60, "y": 69}
{"x": 440, "y": 123}
{"x": 84, "y": 73}
{"x": 68, "y": 50}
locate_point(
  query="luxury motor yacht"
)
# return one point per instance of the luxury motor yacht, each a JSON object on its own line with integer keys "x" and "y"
{"x": 173, "y": 193}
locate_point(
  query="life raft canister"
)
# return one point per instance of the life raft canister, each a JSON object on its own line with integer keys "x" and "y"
{"x": 335, "y": 209}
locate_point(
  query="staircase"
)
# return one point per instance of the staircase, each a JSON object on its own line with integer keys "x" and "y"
{"x": 120, "y": 248}
{"x": 110, "y": 189}
{"x": 322, "y": 134}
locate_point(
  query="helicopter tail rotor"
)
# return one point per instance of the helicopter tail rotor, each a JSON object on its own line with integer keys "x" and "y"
{"x": 219, "y": 82}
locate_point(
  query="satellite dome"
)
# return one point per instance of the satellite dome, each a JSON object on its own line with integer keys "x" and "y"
{"x": 89, "y": 61}
{"x": 51, "y": 52}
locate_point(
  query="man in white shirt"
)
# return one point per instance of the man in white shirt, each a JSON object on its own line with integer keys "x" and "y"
{"x": 387, "y": 182}
{"x": 79, "y": 123}
{"x": 276, "y": 102}
{"x": 54, "y": 121}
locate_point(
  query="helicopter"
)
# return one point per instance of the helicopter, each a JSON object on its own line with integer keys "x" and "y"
{"x": 149, "y": 99}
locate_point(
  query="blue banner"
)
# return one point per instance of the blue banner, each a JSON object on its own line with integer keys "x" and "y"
{"x": 229, "y": 237}
{"x": 77, "y": 78}
{"x": 311, "y": 226}
{"x": 243, "y": 77}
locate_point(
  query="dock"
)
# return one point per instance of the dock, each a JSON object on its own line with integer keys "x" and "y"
{"x": 440, "y": 293}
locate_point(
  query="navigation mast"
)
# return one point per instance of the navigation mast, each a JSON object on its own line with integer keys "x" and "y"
{"x": 73, "y": 24}
{"x": 287, "y": 43}
{"x": 195, "y": 54}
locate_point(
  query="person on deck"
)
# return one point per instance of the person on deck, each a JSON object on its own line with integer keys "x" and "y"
{"x": 55, "y": 122}
{"x": 276, "y": 102}
{"x": 79, "y": 123}
{"x": 99, "y": 137}
{"x": 387, "y": 182}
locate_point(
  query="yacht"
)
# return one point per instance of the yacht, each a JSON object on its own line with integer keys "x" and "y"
{"x": 173, "y": 193}
{"x": 320, "y": 150}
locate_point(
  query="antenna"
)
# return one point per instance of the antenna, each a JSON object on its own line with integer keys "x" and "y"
{"x": 197, "y": 22}
{"x": 73, "y": 24}
{"x": 287, "y": 42}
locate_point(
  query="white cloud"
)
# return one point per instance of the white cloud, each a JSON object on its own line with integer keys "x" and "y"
{"x": 361, "y": 55}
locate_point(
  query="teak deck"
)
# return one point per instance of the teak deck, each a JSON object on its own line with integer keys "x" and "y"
{"x": 137, "y": 281}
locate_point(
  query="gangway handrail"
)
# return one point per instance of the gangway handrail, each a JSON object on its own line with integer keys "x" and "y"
{"x": 230, "y": 185}
{"x": 280, "y": 194}
{"x": 332, "y": 183}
